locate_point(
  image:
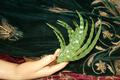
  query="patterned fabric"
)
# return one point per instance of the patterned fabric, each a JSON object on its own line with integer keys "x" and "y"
{"x": 67, "y": 75}
{"x": 64, "y": 75}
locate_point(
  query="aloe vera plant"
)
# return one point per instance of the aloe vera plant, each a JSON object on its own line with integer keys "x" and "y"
{"x": 77, "y": 48}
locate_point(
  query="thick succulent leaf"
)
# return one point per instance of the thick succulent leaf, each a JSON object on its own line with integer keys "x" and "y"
{"x": 60, "y": 40}
{"x": 59, "y": 36}
{"x": 76, "y": 49}
{"x": 79, "y": 28}
{"x": 69, "y": 29}
{"x": 91, "y": 46}
{"x": 75, "y": 24}
{"x": 85, "y": 46}
{"x": 84, "y": 34}
{"x": 81, "y": 20}
{"x": 81, "y": 40}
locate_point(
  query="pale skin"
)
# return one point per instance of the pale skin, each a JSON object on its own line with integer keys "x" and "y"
{"x": 31, "y": 70}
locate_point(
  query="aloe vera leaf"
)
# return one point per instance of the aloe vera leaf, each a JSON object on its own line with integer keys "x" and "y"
{"x": 59, "y": 36}
{"x": 73, "y": 46}
{"x": 81, "y": 40}
{"x": 88, "y": 41}
{"x": 84, "y": 34}
{"x": 76, "y": 38}
{"x": 81, "y": 20}
{"x": 69, "y": 29}
{"x": 75, "y": 24}
{"x": 81, "y": 26}
{"x": 79, "y": 30}
{"x": 83, "y": 54}
{"x": 81, "y": 23}
{"x": 60, "y": 40}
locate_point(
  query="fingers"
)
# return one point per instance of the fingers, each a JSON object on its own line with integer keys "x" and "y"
{"x": 28, "y": 66}
{"x": 49, "y": 70}
{"x": 40, "y": 68}
{"x": 45, "y": 60}
{"x": 57, "y": 52}
{"x": 48, "y": 59}
{"x": 57, "y": 67}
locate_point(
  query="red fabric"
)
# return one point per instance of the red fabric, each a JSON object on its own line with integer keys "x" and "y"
{"x": 65, "y": 75}
{"x": 17, "y": 60}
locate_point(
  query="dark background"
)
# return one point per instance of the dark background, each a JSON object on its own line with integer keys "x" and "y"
{"x": 31, "y": 16}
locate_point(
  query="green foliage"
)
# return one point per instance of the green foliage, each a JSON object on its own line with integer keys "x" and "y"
{"x": 76, "y": 48}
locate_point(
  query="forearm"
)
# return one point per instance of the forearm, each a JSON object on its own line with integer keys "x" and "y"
{"x": 7, "y": 70}
{"x": 14, "y": 71}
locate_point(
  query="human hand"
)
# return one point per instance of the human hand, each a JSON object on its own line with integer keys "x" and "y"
{"x": 34, "y": 69}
